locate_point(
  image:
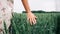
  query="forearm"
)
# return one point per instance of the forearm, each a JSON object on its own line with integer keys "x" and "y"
{"x": 26, "y": 5}
{"x": 30, "y": 16}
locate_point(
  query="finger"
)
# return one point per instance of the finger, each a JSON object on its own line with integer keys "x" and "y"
{"x": 34, "y": 21}
{"x": 30, "y": 21}
{"x": 35, "y": 17}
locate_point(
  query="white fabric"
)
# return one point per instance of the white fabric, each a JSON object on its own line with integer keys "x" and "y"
{"x": 5, "y": 13}
{"x": 17, "y": 6}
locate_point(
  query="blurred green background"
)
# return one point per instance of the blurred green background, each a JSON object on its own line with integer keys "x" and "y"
{"x": 47, "y": 23}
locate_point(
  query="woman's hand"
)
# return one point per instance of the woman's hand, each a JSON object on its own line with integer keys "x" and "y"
{"x": 31, "y": 17}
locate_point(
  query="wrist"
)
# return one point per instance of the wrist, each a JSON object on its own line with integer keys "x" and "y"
{"x": 29, "y": 12}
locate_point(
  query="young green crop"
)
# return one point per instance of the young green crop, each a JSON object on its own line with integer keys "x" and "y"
{"x": 46, "y": 24}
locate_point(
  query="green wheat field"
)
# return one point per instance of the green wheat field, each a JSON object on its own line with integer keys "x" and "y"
{"x": 47, "y": 23}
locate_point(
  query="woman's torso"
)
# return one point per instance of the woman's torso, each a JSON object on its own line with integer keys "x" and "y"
{"x": 5, "y": 8}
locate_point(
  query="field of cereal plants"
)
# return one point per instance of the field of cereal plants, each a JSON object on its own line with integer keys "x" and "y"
{"x": 47, "y": 23}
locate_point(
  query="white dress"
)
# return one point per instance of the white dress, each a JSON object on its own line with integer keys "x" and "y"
{"x": 18, "y": 7}
{"x": 5, "y": 13}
